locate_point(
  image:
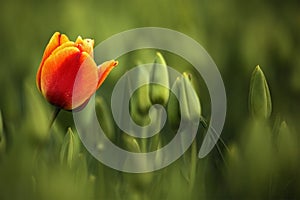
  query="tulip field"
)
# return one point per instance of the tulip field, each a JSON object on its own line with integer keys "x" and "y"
{"x": 168, "y": 130}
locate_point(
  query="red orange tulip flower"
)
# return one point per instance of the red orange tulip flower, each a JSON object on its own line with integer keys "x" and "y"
{"x": 65, "y": 62}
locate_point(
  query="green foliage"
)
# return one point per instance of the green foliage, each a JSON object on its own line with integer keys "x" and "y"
{"x": 53, "y": 164}
{"x": 262, "y": 158}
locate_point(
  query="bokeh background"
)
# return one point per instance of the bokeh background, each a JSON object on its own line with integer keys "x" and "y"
{"x": 237, "y": 34}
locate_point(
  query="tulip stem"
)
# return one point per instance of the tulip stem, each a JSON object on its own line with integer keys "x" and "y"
{"x": 204, "y": 124}
{"x": 54, "y": 115}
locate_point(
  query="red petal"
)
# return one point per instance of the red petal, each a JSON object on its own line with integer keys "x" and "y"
{"x": 58, "y": 77}
{"x": 104, "y": 70}
{"x": 86, "y": 81}
{"x": 56, "y": 40}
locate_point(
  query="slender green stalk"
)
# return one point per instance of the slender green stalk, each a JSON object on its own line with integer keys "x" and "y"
{"x": 193, "y": 169}
{"x": 54, "y": 116}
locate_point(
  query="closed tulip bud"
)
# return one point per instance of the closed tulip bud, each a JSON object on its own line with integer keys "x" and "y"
{"x": 287, "y": 147}
{"x": 191, "y": 103}
{"x": 130, "y": 143}
{"x": 159, "y": 74}
{"x": 140, "y": 101}
{"x": 233, "y": 157}
{"x": 64, "y": 62}
{"x": 187, "y": 106}
{"x": 260, "y": 104}
{"x": 69, "y": 149}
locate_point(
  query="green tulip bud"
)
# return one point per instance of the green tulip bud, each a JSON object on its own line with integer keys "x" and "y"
{"x": 159, "y": 74}
{"x": 191, "y": 103}
{"x": 69, "y": 149}
{"x": 287, "y": 147}
{"x": 187, "y": 107}
{"x": 140, "y": 100}
{"x": 130, "y": 143}
{"x": 260, "y": 104}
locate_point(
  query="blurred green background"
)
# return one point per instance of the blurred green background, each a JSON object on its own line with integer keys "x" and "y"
{"x": 237, "y": 34}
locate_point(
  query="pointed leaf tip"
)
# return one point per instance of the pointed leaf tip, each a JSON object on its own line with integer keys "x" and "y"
{"x": 69, "y": 149}
{"x": 260, "y": 104}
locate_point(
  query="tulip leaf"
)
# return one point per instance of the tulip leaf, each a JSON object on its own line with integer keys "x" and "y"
{"x": 105, "y": 118}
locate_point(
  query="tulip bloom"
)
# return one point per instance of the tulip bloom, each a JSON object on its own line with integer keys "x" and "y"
{"x": 68, "y": 75}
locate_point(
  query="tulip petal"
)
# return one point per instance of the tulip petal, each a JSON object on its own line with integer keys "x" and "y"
{"x": 104, "y": 70}
{"x": 68, "y": 75}
{"x": 56, "y": 40}
{"x": 59, "y": 73}
{"x": 85, "y": 45}
{"x": 64, "y": 45}
{"x": 86, "y": 82}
